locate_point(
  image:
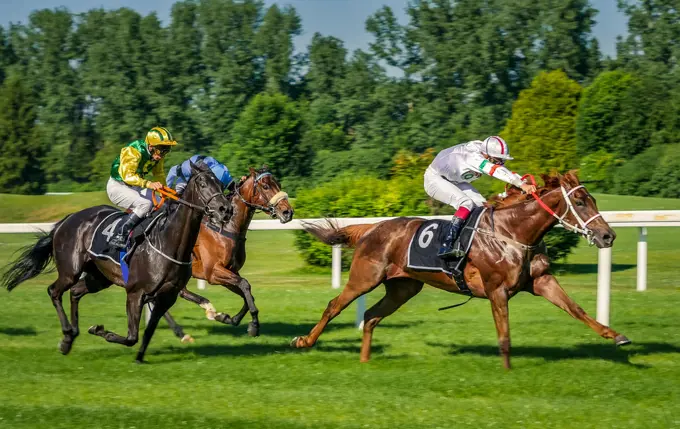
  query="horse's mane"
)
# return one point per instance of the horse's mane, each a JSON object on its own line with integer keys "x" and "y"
{"x": 550, "y": 182}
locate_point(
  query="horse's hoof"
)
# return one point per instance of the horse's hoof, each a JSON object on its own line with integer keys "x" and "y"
{"x": 223, "y": 318}
{"x": 253, "y": 330}
{"x": 140, "y": 361}
{"x": 65, "y": 347}
{"x": 210, "y": 315}
{"x": 95, "y": 329}
{"x": 293, "y": 342}
{"x": 187, "y": 339}
{"x": 621, "y": 340}
{"x": 299, "y": 342}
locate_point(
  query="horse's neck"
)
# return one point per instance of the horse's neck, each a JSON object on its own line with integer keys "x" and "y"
{"x": 529, "y": 222}
{"x": 242, "y": 215}
{"x": 180, "y": 232}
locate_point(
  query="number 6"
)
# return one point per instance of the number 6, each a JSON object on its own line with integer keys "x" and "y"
{"x": 427, "y": 235}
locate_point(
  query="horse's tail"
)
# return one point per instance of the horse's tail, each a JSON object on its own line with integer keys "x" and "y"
{"x": 330, "y": 233}
{"x": 33, "y": 261}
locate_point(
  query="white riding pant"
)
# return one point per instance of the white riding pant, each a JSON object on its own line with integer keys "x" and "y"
{"x": 128, "y": 197}
{"x": 454, "y": 194}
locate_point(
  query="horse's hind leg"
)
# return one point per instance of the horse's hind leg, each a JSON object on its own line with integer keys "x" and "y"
{"x": 134, "y": 312}
{"x": 398, "y": 291}
{"x": 548, "y": 287}
{"x": 56, "y": 292}
{"x": 160, "y": 307}
{"x": 363, "y": 278}
{"x": 92, "y": 282}
{"x": 177, "y": 329}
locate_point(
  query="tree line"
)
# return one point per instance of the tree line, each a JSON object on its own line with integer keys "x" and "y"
{"x": 224, "y": 77}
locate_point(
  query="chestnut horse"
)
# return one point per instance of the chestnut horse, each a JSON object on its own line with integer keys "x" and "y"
{"x": 504, "y": 259}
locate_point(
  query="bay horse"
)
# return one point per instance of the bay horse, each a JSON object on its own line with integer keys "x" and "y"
{"x": 219, "y": 256}
{"x": 504, "y": 259}
{"x": 158, "y": 269}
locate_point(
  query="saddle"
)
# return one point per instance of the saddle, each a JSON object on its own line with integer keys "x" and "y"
{"x": 100, "y": 248}
{"x": 425, "y": 243}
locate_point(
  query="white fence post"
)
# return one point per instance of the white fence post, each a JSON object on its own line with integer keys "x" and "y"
{"x": 361, "y": 309}
{"x": 604, "y": 276}
{"x": 336, "y": 266}
{"x": 642, "y": 260}
{"x": 201, "y": 284}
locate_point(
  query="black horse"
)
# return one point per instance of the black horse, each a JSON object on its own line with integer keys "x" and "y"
{"x": 159, "y": 268}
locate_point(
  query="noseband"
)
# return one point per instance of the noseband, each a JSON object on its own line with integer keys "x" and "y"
{"x": 273, "y": 201}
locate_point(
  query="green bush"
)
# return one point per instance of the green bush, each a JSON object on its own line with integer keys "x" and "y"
{"x": 560, "y": 243}
{"x": 355, "y": 197}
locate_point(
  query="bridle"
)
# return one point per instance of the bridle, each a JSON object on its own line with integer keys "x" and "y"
{"x": 582, "y": 227}
{"x": 271, "y": 204}
{"x": 172, "y": 194}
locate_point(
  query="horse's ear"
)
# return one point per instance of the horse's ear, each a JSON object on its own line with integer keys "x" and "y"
{"x": 193, "y": 166}
{"x": 572, "y": 178}
{"x": 252, "y": 171}
{"x": 265, "y": 167}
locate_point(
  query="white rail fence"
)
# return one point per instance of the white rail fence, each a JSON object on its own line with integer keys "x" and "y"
{"x": 617, "y": 219}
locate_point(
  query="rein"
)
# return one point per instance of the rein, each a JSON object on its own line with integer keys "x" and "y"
{"x": 273, "y": 201}
{"x": 582, "y": 229}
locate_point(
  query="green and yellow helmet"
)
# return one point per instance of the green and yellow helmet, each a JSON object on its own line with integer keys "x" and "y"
{"x": 159, "y": 136}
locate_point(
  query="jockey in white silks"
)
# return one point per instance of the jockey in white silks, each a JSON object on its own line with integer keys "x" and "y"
{"x": 448, "y": 177}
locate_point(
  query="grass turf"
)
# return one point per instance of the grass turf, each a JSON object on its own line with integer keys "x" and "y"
{"x": 429, "y": 369}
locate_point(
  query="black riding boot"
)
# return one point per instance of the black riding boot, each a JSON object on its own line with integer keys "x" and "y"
{"x": 447, "y": 250}
{"x": 120, "y": 239}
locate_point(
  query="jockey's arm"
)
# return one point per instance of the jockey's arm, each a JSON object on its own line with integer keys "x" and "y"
{"x": 498, "y": 171}
{"x": 129, "y": 161}
{"x": 158, "y": 172}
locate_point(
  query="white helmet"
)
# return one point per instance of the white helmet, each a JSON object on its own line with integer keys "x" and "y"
{"x": 496, "y": 147}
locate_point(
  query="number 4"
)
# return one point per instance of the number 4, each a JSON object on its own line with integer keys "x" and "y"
{"x": 111, "y": 229}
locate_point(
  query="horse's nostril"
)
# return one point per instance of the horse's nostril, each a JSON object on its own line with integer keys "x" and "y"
{"x": 607, "y": 238}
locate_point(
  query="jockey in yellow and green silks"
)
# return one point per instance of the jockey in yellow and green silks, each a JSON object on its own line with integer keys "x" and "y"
{"x": 128, "y": 172}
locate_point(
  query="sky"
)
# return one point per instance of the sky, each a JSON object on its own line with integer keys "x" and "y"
{"x": 343, "y": 19}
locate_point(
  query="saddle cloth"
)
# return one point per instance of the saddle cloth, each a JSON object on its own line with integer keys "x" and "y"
{"x": 110, "y": 225}
{"x": 425, "y": 243}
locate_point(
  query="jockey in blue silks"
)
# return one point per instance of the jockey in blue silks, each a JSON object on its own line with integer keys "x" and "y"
{"x": 179, "y": 175}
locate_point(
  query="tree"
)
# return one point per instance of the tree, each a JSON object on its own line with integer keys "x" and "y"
{"x": 541, "y": 132}
{"x": 20, "y": 168}
{"x": 267, "y": 132}
{"x": 613, "y": 117}
{"x": 53, "y": 79}
{"x": 275, "y": 44}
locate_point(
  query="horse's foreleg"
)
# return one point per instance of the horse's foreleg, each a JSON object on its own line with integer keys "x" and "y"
{"x": 161, "y": 306}
{"x": 548, "y": 287}
{"x": 499, "y": 308}
{"x": 398, "y": 291}
{"x": 134, "y": 313}
{"x": 241, "y": 287}
{"x": 202, "y": 302}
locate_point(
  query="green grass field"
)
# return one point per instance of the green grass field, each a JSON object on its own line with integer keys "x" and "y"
{"x": 429, "y": 369}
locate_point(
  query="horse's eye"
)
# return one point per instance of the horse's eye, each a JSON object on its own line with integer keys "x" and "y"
{"x": 580, "y": 203}
{"x": 265, "y": 187}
